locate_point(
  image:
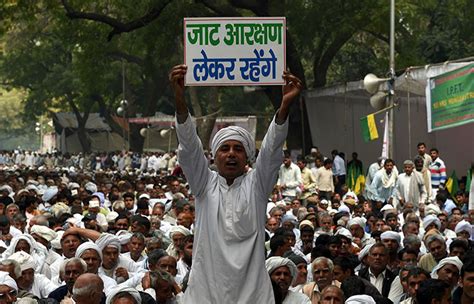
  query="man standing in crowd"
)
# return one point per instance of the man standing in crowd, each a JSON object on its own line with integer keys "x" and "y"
{"x": 230, "y": 203}
{"x": 410, "y": 187}
{"x": 438, "y": 173}
{"x": 289, "y": 178}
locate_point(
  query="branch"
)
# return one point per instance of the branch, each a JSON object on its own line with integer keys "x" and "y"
{"x": 118, "y": 27}
{"x": 219, "y": 9}
{"x": 128, "y": 57}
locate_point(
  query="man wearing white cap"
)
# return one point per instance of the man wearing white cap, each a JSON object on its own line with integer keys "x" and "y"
{"x": 392, "y": 240}
{"x": 448, "y": 270}
{"x": 463, "y": 230}
{"x": 282, "y": 271}
{"x": 230, "y": 203}
{"x": 44, "y": 236}
{"x": 177, "y": 234}
{"x": 8, "y": 288}
{"x": 38, "y": 284}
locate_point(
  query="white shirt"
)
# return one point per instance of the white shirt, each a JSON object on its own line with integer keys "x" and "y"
{"x": 296, "y": 298}
{"x": 42, "y": 286}
{"x": 291, "y": 178}
{"x": 339, "y": 166}
{"x": 377, "y": 281}
{"x": 228, "y": 254}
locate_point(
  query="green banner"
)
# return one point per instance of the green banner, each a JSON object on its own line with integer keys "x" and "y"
{"x": 450, "y": 99}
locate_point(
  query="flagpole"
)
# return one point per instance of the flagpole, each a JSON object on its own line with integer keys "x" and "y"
{"x": 392, "y": 76}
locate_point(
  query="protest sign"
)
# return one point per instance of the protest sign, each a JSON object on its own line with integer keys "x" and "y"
{"x": 450, "y": 99}
{"x": 234, "y": 51}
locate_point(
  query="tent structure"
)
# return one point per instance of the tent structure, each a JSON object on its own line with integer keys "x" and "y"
{"x": 99, "y": 132}
{"x": 334, "y": 113}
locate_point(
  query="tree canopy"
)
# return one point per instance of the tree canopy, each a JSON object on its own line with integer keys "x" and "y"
{"x": 86, "y": 56}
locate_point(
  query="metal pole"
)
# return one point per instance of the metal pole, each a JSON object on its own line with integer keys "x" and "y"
{"x": 392, "y": 76}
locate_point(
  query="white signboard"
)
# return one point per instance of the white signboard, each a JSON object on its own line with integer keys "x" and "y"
{"x": 234, "y": 51}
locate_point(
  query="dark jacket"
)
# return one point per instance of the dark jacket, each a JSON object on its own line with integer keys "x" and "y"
{"x": 387, "y": 282}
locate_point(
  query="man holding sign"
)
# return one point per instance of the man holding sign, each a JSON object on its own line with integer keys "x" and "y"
{"x": 229, "y": 253}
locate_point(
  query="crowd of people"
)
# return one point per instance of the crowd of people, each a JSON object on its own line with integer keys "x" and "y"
{"x": 233, "y": 225}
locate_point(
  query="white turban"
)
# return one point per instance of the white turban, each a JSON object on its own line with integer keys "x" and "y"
{"x": 56, "y": 243}
{"x": 88, "y": 246}
{"x": 463, "y": 226}
{"x": 91, "y": 187}
{"x": 432, "y": 209}
{"x": 44, "y": 232}
{"x": 234, "y": 133}
{"x": 356, "y": 221}
{"x": 132, "y": 291}
{"x": 124, "y": 236}
{"x": 6, "y": 279}
{"x": 449, "y": 260}
{"x": 50, "y": 193}
{"x": 360, "y": 299}
{"x": 107, "y": 239}
{"x": 275, "y": 262}
{"x": 179, "y": 229}
{"x": 24, "y": 259}
{"x": 391, "y": 235}
{"x": 431, "y": 219}
{"x": 365, "y": 251}
{"x": 344, "y": 232}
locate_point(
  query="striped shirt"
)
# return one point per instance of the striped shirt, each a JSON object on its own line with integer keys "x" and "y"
{"x": 438, "y": 173}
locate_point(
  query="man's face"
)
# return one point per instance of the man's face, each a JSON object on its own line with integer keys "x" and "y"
{"x": 467, "y": 283}
{"x": 111, "y": 255}
{"x": 177, "y": 239}
{"x": 300, "y": 164}
{"x": 307, "y": 237}
{"x": 231, "y": 159}
{"x": 392, "y": 245}
{"x": 7, "y": 294}
{"x": 378, "y": 259}
{"x": 71, "y": 272}
{"x": 322, "y": 274}
{"x": 184, "y": 219}
{"x": 295, "y": 204}
{"x": 168, "y": 264}
{"x": 325, "y": 223}
{"x": 408, "y": 169}
{"x": 335, "y": 249}
{"x": 302, "y": 275}
{"x": 22, "y": 245}
{"x": 282, "y": 277}
{"x": 392, "y": 222}
{"x": 340, "y": 274}
{"x": 421, "y": 150}
{"x": 357, "y": 231}
{"x": 409, "y": 259}
{"x": 69, "y": 245}
{"x": 27, "y": 278}
{"x": 92, "y": 259}
{"x": 129, "y": 202}
{"x": 136, "y": 227}
{"x": 136, "y": 247}
{"x": 458, "y": 251}
{"x": 11, "y": 212}
{"x": 188, "y": 252}
{"x": 332, "y": 296}
{"x": 121, "y": 224}
{"x": 272, "y": 224}
{"x": 174, "y": 187}
{"x": 414, "y": 283}
{"x": 418, "y": 165}
{"x": 434, "y": 155}
{"x": 437, "y": 249}
{"x": 278, "y": 214}
{"x": 388, "y": 167}
{"x": 449, "y": 273}
{"x": 287, "y": 161}
{"x": 444, "y": 221}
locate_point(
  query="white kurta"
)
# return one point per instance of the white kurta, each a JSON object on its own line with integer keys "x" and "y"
{"x": 229, "y": 253}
